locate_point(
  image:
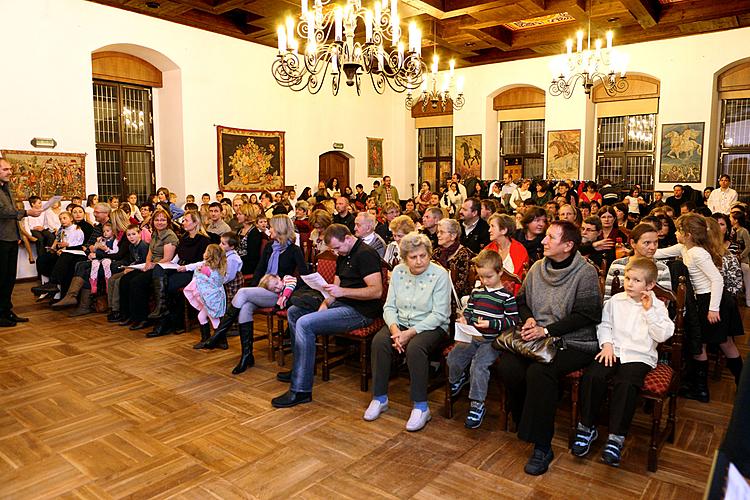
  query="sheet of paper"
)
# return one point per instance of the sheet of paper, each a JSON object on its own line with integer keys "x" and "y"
{"x": 138, "y": 266}
{"x": 50, "y": 202}
{"x": 168, "y": 265}
{"x": 316, "y": 282}
{"x": 737, "y": 487}
{"x": 465, "y": 333}
{"x": 75, "y": 252}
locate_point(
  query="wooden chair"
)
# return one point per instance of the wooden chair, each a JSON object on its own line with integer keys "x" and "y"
{"x": 511, "y": 280}
{"x": 362, "y": 336}
{"x": 663, "y": 382}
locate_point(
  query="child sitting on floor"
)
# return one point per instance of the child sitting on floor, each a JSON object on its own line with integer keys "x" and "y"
{"x": 105, "y": 246}
{"x": 206, "y": 291}
{"x": 633, "y": 323}
{"x": 490, "y": 310}
{"x": 282, "y": 286}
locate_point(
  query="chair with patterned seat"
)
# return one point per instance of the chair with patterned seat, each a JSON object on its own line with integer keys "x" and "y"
{"x": 361, "y": 336}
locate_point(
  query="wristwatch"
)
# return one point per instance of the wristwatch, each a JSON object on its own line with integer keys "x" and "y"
{"x": 546, "y": 332}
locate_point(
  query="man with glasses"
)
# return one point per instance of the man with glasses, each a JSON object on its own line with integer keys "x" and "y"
{"x": 9, "y": 217}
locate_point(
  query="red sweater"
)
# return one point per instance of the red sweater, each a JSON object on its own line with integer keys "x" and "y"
{"x": 518, "y": 255}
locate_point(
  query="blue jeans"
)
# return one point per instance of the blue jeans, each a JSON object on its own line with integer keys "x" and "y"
{"x": 305, "y": 325}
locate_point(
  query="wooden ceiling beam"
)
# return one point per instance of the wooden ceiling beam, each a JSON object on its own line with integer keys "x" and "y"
{"x": 496, "y": 36}
{"x": 646, "y": 12}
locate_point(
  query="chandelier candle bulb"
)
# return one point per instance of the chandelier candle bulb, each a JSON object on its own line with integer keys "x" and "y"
{"x": 380, "y": 58}
{"x": 400, "y": 54}
{"x": 460, "y": 85}
{"x": 452, "y": 64}
{"x": 609, "y": 39}
{"x": 281, "y": 33}
{"x": 304, "y": 7}
{"x": 368, "y": 26}
{"x": 338, "y": 17}
{"x": 569, "y": 46}
{"x": 579, "y": 44}
{"x": 378, "y": 15}
{"x": 395, "y": 31}
{"x": 335, "y": 63}
{"x": 412, "y": 36}
{"x": 310, "y": 29}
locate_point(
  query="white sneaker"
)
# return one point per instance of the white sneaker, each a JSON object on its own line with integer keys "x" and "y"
{"x": 375, "y": 409}
{"x": 418, "y": 419}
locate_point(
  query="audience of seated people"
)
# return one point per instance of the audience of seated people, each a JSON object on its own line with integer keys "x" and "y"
{"x": 145, "y": 256}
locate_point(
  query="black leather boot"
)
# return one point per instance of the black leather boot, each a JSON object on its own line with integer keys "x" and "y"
{"x": 205, "y": 335}
{"x": 698, "y": 389}
{"x": 160, "y": 293}
{"x": 219, "y": 338}
{"x": 246, "y": 338}
{"x": 162, "y": 327}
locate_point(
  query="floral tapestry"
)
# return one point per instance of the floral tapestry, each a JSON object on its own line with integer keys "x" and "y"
{"x": 46, "y": 174}
{"x": 250, "y": 160}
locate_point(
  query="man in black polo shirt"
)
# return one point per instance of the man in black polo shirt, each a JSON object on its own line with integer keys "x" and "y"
{"x": 342, "y": 214}
{"x": 354, "y": 303}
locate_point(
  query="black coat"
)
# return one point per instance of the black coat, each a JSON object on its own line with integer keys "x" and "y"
{"x": 478, "y": 238}
{"x": 291, "y": 261}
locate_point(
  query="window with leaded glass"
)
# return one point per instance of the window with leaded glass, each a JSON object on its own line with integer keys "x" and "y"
{"x": 625, "y": 151}
{"x": 435, "y": 156}
{"x": 734, "y": 150}
{"x": 124, "y": 139}
{"x": 522, "y": 148}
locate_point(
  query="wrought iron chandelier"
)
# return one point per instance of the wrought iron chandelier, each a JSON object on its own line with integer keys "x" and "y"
{"x": 439, "y": 98}
{"x": 603, "y": 65}
{"x": 332, "y": 48}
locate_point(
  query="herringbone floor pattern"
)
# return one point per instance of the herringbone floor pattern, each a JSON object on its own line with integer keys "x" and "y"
{"x": 91, "y": 410}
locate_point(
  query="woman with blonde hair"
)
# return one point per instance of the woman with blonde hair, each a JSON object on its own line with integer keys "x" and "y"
{"x": 282, "y": 257}
{"x": 319, "y": 221}
{"x": 400, "y": 227}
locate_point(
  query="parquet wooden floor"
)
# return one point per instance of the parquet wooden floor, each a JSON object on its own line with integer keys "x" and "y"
{"x": 91, "y": 410}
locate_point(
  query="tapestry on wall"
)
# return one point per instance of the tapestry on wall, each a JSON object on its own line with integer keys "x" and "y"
{"x": 681, "y": 152}
{"x": 563, "y": 154}
{"x": 250, "y": 160}
{"x": 468, "y": 156}
{"x": 374, "y": 157}
{"x": 46, "y": 174}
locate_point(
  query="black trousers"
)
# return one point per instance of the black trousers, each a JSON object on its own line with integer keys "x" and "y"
{"x": 627, "y": 380}
{"x": 533, "y": 390}
{"x": 135, "y": 289}
{"x": 8, "y": 267}
{"x": 64, "y": 270}
{"x": 45, "y": 263}
{"x": 43, "y": 239}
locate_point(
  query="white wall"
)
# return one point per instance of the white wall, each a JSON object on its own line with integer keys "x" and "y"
{"x": 686, "y": 67}
{"x": 209, "y": 80}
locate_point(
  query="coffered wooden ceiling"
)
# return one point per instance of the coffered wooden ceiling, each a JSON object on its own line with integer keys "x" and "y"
{"x": 475, "y": 32}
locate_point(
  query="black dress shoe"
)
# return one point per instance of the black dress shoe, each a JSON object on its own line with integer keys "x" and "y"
{"x": 139, "y": 325}
{"x": 158, "y": 331}
{"x": 124, "y": 322}
{"x": 291, "y": 398}
{"x": 114, "y": 317}
{"x": 6, "y": 323}
{"x": 284, "y": 376}
{"x": 46, "y": 288}
{"x": 18, "y": 319}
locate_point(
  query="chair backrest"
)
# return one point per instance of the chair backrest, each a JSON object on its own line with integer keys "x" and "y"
{"x": 326, "y": 265}
{"x": 385, "y": 274}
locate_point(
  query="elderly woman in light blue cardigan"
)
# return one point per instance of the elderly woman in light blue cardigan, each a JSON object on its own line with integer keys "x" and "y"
{"x": 416, "y": 315}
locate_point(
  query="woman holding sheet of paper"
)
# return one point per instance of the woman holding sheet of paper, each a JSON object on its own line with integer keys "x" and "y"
{"x": 280, "y": 258}
{"x": 416, "y": 318}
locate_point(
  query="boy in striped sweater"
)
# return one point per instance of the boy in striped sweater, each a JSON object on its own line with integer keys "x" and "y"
{"x": 491, "y": 309}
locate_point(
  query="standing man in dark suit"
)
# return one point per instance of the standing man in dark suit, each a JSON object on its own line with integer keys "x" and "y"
{"x": 475, "y": 232}
{"x": 9, "y": 217}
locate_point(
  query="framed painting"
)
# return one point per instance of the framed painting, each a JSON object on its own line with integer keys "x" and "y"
{"x": 374, "y": 157}
{"x": 681, "y": 152}
{"x": 563, "y": 154}
{"x": 250, "y": 160}
{"x": 46, "y": 174}
{"x": 468, "y": 156}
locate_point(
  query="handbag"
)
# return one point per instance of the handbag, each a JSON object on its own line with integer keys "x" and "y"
{"x": 542, "y": 350}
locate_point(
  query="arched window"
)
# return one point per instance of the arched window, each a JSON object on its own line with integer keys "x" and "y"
{"x": 123, "y": 123}
{"x": 626, "y": 133}
{"x": 734, "y": 138}
{"x": 520, "y": 113}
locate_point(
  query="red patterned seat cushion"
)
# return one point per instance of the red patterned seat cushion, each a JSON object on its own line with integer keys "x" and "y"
{"x": 658, "y": 380}
{"x": 576, "y": 375}
{"x": 369, "y": 330}
{"x": 281, "y": 313}
{"x": 264, "y": 310}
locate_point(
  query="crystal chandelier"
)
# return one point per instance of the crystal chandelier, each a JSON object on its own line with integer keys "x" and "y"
{"x": 603, "y": 65}
{"x": 332, "y": 47}
{"x": 641, "y": 128}
{"x": 439, "y": 98}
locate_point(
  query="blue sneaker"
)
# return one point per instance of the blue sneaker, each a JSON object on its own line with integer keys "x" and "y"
{"x": 612, "y": 453}
{"x": 476, "y": 415}
{"x": 583, "y": 440}
{"x": 460, "y": 384}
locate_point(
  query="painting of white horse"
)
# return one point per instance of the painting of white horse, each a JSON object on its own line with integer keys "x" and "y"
{"x": 681, "y": 152}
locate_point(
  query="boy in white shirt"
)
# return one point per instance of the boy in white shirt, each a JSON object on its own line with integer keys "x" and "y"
{"x": 633, "y": 323}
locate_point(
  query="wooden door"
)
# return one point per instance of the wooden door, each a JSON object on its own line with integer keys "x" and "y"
{"x": 334, "y": 164}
